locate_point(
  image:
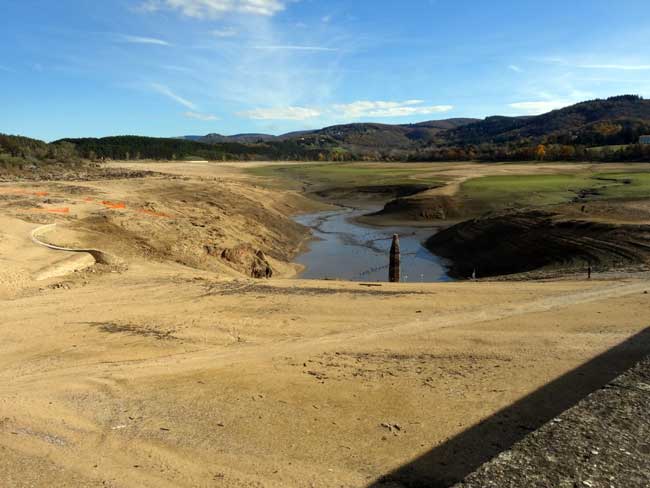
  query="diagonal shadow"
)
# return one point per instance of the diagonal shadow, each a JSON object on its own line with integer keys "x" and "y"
{"x": 451, "y": 461}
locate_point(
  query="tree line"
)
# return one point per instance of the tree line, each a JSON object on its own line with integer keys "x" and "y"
{"x": 18, "y": 152}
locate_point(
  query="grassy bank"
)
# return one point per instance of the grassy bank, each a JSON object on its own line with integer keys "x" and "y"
{"x": 494, "y": 192}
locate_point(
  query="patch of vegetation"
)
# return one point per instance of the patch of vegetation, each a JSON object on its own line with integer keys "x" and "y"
{"x": 626, "y": 185}
{"x": 352, "y": 175}
{"x": 526, "y": 190}
{"x": 19, "y": 154}
{"x": 134, "y": 330}
{"x": 495, "y": 192}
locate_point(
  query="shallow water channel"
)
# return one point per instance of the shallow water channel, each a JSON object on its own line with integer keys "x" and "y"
{"x": 346, "y": 250}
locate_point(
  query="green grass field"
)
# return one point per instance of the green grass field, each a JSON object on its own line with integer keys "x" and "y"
{"x": 527, "y": 190}
{"x": 630, "y": 185}
{"x": 542, "y": 190}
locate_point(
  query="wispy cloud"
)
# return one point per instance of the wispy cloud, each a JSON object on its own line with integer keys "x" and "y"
{"x": 179, "y": 69}
{"x": 281, "y": 113}
{"x": 166, "y": 91}
{"x": 200, "y": 116}
{"x": 364, "y": 108}
{"x": 295, "y": 48}
{"x": 540, "y": 106}
{"x": 515, "y": 68}
{"x": 142, "y": 40}
{"x": 594, "y": 65}
{"x": 350, "y": 111}
{"x": 6, "y": 69}
{"x": 226, "y": 32}
{"x": 148, "y": 6}
{"x": 208, "y": 9}
{"x": 618, "y": 67}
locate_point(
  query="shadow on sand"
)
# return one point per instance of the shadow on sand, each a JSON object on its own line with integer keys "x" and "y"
{"x": 453, "y": 460}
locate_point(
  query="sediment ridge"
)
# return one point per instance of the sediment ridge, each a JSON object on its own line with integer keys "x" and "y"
{"x": 521, "y": 242}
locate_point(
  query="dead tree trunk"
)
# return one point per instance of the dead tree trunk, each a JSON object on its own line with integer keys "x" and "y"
{"x": 394, "y": 266}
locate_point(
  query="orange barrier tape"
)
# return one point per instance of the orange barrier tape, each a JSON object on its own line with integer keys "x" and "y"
{"x": 63, "y": 210}
{"x": 115, "y": 205}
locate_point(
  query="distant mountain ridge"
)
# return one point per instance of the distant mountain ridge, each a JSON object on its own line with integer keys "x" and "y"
{"x": 366, "y": 134}
{"x": 615, "y": 120}
{"x": 241, "y": 138}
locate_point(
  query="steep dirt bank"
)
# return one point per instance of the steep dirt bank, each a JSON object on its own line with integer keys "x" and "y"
{"x": 208, "y": 219}
{"x": 520, "y": 242}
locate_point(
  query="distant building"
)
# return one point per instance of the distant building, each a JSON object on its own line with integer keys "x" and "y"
{"x": 644, "y": 140}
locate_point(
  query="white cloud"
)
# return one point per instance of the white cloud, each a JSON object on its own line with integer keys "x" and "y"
{"x": 148, "y": 6}
{"x": 226, "y": 32}
{"x": 143, "y": 40}
{"x": 6, "y": 68}
{"x": 515, "y": 68}
{"x": 295, "y": 48}
{"x": 619, "y": 67}
{"x": 361, "y": 109}
{"x": 164, "y": 90}
{"x": 202, "y": 9}
{"x": 540, "y": 107}
{"x": 281, "y": 113}
{"x": 351, "y": 111}
{"x": 200, "y": 116}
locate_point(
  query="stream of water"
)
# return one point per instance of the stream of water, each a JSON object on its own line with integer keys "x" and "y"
{"x": 347, "y": 250}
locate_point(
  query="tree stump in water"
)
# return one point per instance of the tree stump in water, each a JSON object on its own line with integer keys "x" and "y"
{"x": 394, "y": 265}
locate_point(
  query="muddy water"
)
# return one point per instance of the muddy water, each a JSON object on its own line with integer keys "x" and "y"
{"x": 346, "y": 250}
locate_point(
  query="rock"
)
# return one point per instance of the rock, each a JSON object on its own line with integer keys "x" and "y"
{"x": 247, "y": 260}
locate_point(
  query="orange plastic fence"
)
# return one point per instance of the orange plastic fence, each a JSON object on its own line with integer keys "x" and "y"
{"x": 115, "y": 205}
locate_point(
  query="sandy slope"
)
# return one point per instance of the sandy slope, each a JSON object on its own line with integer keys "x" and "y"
{"x": 163, "y": 374}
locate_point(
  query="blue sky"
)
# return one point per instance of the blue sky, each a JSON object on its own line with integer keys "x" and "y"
{"x": 75, "y": 68}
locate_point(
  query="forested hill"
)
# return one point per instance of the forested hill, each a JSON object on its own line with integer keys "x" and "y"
{"x": 616, "y": 120}
{"x": 137, "y": 147}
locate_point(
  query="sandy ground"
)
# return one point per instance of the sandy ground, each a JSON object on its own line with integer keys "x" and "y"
{"x": 178, "y": 373}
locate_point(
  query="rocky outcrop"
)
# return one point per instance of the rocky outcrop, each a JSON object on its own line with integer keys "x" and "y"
{"x": 526, "y": 241}
{"x": 246, "y": 259}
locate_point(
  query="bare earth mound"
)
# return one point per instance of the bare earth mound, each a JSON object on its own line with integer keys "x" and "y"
{"x": 521, "y": 242}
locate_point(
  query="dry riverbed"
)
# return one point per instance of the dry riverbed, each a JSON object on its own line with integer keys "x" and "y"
{"x": 174, "y": 369}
